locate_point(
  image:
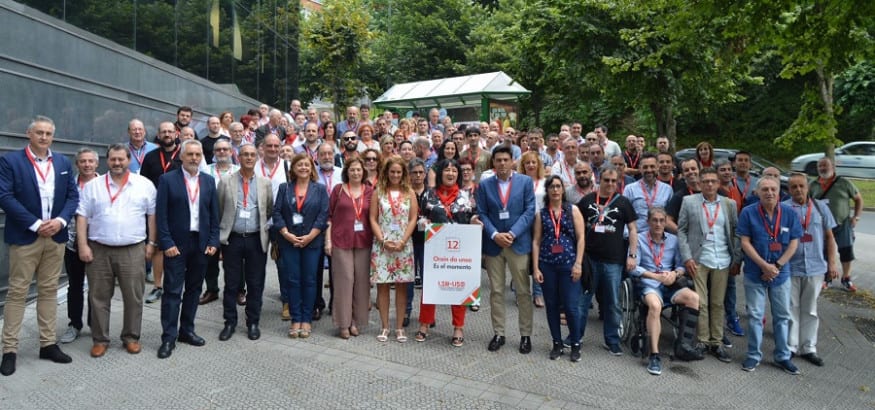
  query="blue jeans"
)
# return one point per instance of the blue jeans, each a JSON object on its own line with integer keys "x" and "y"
{"x": 559, "y": 290}
{"x": 779, "y": 297}
{"x": 299, "y": 265}
{"x": 729, "y": 300}
{"x": 606, "y": 281}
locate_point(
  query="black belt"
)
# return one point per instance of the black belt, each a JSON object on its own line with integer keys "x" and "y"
{"x": 246, "y": 234}
{"x": 118, "y": 246}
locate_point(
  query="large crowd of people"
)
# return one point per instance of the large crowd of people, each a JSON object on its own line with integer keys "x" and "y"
{"x": 567, "y": 215}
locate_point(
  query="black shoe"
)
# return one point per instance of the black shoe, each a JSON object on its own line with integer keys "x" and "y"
{"x": 557, "y": 351}
{"x": 720, "y": 353}
{"x": 166, "y": 349}
{"x": 8, "y": 365}
{"x": 496, "y": 343}
{"x": 432, "y": 325}
{"x": 575, "y": 353}
{"x": 406, "y": 321}
{"x": 252, "y": 332}
{"x": 191, "y": 339}
{"x": 525, "y": 345}
{"x": 54, "y": 353}
{"x": 317, "y": 314}
{"x": 227, "y": 332}
{"x": 812, "y": 358}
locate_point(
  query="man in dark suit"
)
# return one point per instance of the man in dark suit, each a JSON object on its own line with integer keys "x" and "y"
{"x": 506, "y": 206}
{"x": 39, "y": 195}
{"x": 272, "y": 127}
{"x": 245, "y": 204}
{"x": 187, "y": 213}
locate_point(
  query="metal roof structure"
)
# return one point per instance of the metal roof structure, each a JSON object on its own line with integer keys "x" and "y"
{"x": 453, "y": 92}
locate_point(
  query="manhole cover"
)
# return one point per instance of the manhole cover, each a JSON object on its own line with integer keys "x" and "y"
{"x": 866, "y": 327}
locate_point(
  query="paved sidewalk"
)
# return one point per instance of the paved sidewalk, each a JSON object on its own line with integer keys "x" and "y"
{"x": 327, "y": 372}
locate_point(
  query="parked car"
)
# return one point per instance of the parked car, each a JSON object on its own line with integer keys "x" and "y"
{"x": 854, "y": 159}
{"x": 758, "y": 163}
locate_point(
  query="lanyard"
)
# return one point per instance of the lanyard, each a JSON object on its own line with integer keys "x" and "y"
{"x": 657, "y": 258}
{"x": 557, "y": 222}
{"x": 139, "y": 154}
{"x": 80, "y": 182}
{"x": 357, "y": 207}
{"x": 807, "y": 220}
{"x": 826, "y": 186}
{"x": 648, "y": 199}
{"x": 37, "y": 167}
{"x": 708, "y": 219}
{"x": 245, "y": 191}
{"x": 746, "y": 186}
{"x": 192, "y": 197}
{"x": 601, "y": 207}
{"x": 112, "y": 197}
{"x": 537, "y": 182}
{"x": 773, "y": 234}
{"x": 300, "y": 198}
{"x": 506, "y": 196}
{"x": 328, "y": 178}
{"x": 395, "y": 205}
{"x": 633, "y": 163}
{"x": 165, "y": 164}
{"x": 272, "y": 172}
{"x": 569, "y": 173}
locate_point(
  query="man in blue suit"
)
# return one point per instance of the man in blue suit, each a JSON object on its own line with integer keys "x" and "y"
{"x": 187, "y": 213}
{"x": 39, "y": 196}
{"x": 506, "y": 206}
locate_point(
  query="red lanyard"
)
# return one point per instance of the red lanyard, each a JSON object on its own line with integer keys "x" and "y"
{"x": 395, "y": 205}
{"x": 602, "y": 207}
{"x": 746, "y": 186}
{"x": 328, "y": 178}
{"x": 633, "y": 164}
{"x": 648, "y": 199}
{"x": 825, "y": 187}
{"x": 773, "y": 234}
{"x": 272, "y": 172}
{"x": 37, "y": 167}
{"x": 506, "y": 196}
{"x": 708, "y": 219}
{"x": 557, "y": 221}
{"x": 112, "y": 197}
{"x": 165, "y": 164}
{"x": 569, "y": 173}
{"x": 357, "y": 207}
{"x": 807, "y": 220}
{"x": 657, "y": 258}
{"x": 81, "y": 183}
{"x": 139, "y": 154}
{"x": 192, "y": 197}
{"x": 300, "y": 198}
{"x": 537, "y": 182}
{"x": 245, "y": 191}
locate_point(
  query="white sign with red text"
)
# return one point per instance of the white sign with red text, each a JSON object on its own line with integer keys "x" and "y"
{"x": 451, "y": 264}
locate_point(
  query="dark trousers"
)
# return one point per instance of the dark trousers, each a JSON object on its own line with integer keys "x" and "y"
{"x": 75, "y": 292}
{"x": 320, "y": 280}
{"x": 212, "y": 277}
{"x": 183, "y": 280}
{"x": 244, "y": 261}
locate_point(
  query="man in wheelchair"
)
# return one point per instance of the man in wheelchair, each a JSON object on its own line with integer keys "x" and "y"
{"x": 661, "y": 281}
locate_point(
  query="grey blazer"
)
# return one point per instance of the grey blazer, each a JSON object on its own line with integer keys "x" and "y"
{"x": 227, "y": 192}
{"x": 692, "y": 227}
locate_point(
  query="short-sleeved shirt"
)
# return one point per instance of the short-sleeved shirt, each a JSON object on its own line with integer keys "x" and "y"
{"x": 604, "y": 227}
{"x": 815, "y": 218}
{"x": 838, "y": 197}
{"x": 649, "y": 251}
{"x": 110, "y": 208}
{"x": 752, "y": 223}
{"x": 644, "y": 198}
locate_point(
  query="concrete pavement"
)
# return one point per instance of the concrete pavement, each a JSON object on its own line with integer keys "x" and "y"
{"x": 327, "y": 372}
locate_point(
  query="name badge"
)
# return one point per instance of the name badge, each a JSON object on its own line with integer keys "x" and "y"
{"x": 807, "y": 238}
{"x": 709, "y": 236}
{"x": 557, "y": 249}
{"x": 358, "y": 227}
{"x": 774, "y": 246}
{"x": 395, "y": 227}
{"x": 785, "y": 229}
{"x": 504, "y": 215}
{"x": 245, "y": 214}
{"x": 297, "y": 219}
{"x": 600, "y": 228}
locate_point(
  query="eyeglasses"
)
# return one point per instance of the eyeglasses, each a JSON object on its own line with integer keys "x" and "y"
{"x": 608, "y": 180}
{"x": 467, "y": 170}
{"x": 353, "y": 138}
{"x": 370, "y": 159}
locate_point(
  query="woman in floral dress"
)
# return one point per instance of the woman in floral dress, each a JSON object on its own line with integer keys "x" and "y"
{"x": 393, "y": 216}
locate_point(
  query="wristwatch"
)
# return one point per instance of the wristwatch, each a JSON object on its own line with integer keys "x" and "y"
{"x": 633, "y": 256}
{"x": 779, "y": 265}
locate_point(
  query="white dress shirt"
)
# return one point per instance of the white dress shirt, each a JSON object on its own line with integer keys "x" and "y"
{"x": 120, "y": 222}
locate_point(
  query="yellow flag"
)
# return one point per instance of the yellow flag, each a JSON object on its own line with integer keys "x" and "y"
{"x": 214, "y": 22}
{"x": 237, "y": 46}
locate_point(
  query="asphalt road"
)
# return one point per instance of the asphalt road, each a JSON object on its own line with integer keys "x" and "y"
{"x": 867, "y": 223}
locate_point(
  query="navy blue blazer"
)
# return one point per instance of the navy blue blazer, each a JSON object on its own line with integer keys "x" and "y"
{"x": 520, "y": 205}
{"x": 173, "y": 217}
{"x": 20, "y": 198}
{"x": 314, "y": 210}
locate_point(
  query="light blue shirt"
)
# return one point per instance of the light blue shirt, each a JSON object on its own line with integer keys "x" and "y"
{"x": 656, "y": 196}
{"x": 715, "y": 249}
{"x": 647, "y": 252}
{"x": 808, "y": 259}
{"x": 244, "y": 223}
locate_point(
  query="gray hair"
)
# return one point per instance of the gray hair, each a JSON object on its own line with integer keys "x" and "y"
{"x": 186, "y": 143}
{"x": 112, "y": 147}
{"x": 85, "y": 150}
{"x": 415, "y": 162}
{"x": 41, "y": 118}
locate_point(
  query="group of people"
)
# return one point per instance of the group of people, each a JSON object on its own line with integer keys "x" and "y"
{"x": 567, "y": 216}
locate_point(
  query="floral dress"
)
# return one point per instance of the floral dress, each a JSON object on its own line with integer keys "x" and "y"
{"x": 392, "y": 267}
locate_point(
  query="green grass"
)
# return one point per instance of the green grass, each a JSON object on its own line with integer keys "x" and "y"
{"x": 867, "y": 189}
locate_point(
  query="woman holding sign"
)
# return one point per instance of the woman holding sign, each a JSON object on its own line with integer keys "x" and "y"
{"x": 557, "y": 246}
{"x": 349, "y": 244}
{"x": 300, "y": 215}
{"x": 393, "y": 219}
{"x": 447, "y": 203}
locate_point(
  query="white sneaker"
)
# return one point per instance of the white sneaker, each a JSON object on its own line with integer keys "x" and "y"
{"x": 69, "y": 335}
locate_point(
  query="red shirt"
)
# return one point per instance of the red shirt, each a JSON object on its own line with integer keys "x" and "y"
{"x": 342, "y": 214}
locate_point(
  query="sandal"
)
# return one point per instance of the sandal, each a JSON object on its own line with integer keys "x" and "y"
{"x": 420, "y": 336}
{"x": 400, "y": 336}
{"x": 304, "y": 333}
{"x": 474, "y": 308}
{"x": 458, "y": 341}
{"x": 294, "y": 332}
{"x": 353, "y": 331}
{"x": 383, "y": 336}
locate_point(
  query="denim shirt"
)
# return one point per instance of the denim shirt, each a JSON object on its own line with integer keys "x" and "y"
{"x": 752, "y": 224}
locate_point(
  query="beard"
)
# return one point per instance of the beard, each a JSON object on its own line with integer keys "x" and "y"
{"x": 168, "y": 143}
{"x": 223, "y": 160}
{"x": 584, "y": 183}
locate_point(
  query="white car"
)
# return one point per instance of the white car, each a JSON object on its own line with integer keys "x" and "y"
{"x": 855, "y": 159}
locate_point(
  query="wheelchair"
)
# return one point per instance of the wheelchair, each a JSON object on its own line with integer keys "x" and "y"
{"x": 633, "y": 322}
